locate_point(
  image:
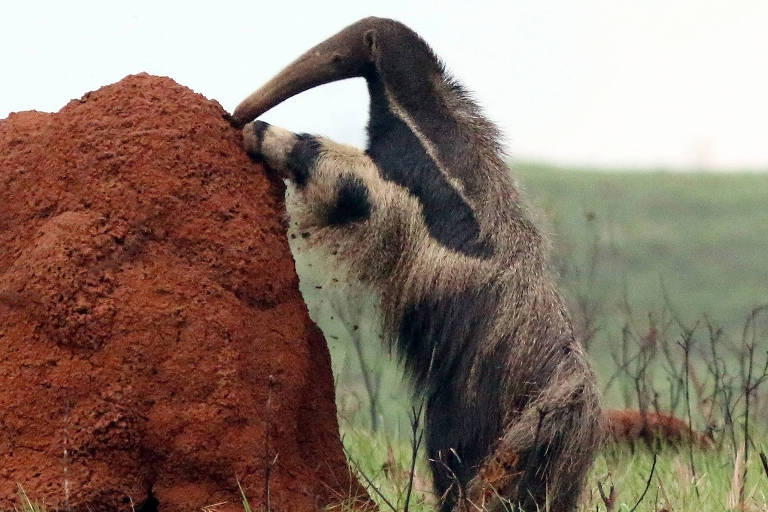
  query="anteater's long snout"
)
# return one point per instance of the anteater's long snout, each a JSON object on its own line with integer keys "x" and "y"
{"x": 344, "y": 55}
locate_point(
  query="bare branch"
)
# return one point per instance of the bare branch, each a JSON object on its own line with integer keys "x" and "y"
{"x": 610, "y": 500}
{"x": 418, "y": 435}
{"x": 647, "y": 484}
{"x": 367, "y": 480}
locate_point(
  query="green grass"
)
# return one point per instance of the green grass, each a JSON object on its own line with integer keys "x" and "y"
{"x": 26, "y": 504}
{"x": 703, "y": 235}
{"x": 672, "y": 484}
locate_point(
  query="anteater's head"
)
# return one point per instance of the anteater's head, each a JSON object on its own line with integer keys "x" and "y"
{"x": 354, "y": 52}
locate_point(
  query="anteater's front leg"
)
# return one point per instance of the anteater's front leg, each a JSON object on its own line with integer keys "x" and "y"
{"x": 341, "y": 199}
{"x": 293, "y": 156}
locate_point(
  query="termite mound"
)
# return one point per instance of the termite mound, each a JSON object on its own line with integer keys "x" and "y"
{"x": 154, "y": 347}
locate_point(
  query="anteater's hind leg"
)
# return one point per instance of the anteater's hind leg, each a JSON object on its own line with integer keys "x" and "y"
{"x": 543, "y": 457}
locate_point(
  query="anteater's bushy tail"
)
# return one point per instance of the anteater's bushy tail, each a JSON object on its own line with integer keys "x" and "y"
{"x": 544, "y": 455}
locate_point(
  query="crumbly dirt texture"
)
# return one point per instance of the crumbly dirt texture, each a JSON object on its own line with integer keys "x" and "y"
{"x": 152, "y": 335}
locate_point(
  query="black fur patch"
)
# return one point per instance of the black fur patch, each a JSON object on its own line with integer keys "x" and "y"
{"x": 352, "y": 201}
{"x": 401, "y": 158}
{"x": 301, "y": 160}
{"x": 258, "y": 127}
{"x": 409, "y": 67}
{"x": 439, "y": 341}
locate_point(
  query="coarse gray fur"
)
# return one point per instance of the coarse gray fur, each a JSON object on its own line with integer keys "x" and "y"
{"x": 430, "y": 218}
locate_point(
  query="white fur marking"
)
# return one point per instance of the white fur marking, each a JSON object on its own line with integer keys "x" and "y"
{"x": 398, "y": 111}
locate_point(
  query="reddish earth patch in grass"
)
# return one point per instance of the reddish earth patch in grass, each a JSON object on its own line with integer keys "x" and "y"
{"x": 629, "y": 426}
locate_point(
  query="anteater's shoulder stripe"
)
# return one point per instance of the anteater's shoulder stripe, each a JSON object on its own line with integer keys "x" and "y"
{"x": 404, "y": 158}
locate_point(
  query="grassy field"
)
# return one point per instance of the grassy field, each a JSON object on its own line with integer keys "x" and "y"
{"x": 704, "y": 236}
{"x": 673, "y": 486}
{"x": 632, "y": 251}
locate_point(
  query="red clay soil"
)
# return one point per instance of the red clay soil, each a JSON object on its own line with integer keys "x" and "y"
{"x": 629, "y": 426}
{"x": 152, "y": 335}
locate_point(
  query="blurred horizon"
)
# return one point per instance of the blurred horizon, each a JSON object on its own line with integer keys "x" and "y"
{"x": 534, "y": 163}
{"x": 599, "y": 85}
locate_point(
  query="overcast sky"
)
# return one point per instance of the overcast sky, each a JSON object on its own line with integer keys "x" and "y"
{"x": 675, "y": 84}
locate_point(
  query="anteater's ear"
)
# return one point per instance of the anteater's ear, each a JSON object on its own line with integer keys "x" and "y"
{"x": 369, "y": 39}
